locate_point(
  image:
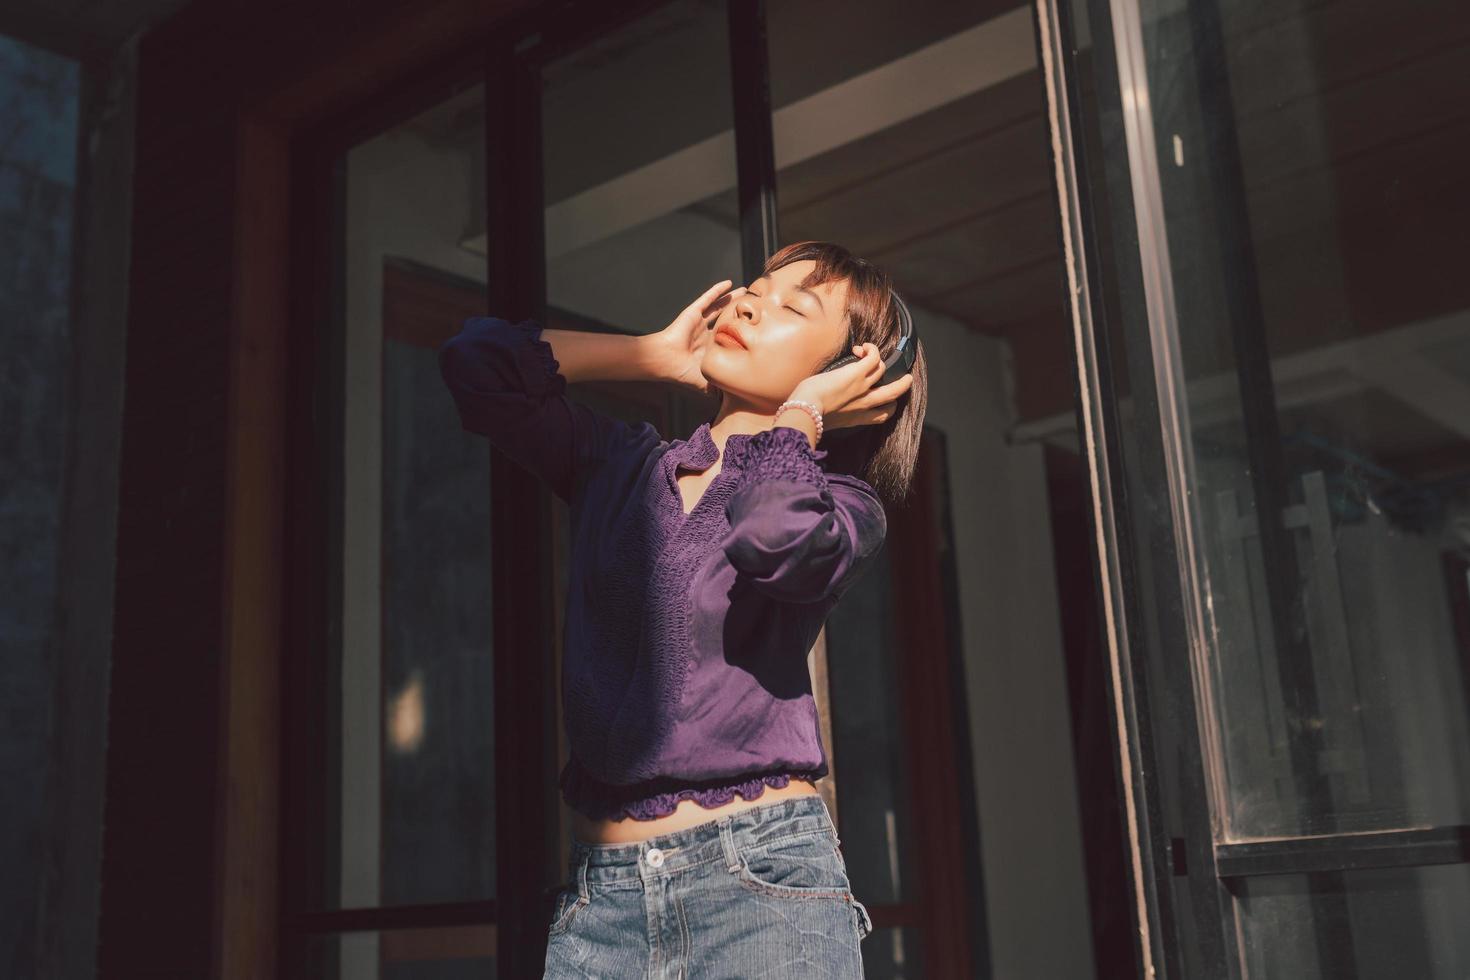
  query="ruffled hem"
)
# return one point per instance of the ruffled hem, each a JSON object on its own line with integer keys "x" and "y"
{"x": 655, "y": 798}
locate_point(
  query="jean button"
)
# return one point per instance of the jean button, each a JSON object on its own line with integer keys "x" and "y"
{"x": 655, "y": 857}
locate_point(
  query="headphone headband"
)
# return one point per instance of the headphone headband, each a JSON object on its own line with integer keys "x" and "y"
{"x": 905, "y": 320}
{"x": 901, "y": 361}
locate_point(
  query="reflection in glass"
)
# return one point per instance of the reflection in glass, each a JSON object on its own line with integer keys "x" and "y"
{"x": 640, "y": 173}
{"x": 38, "y": 198}
{"x": 639, "y": 178}
{"x": 867, "y": 725}
{"x": 440, "y": 953}
{"x": 1385, "y": 925}
{"x": 1316, "y": 234}
{"x": 410, "y": 766}
{"x": 920, "y": 143}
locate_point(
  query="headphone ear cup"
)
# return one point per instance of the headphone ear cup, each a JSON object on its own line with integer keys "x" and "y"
{"x": 839, "y": 362}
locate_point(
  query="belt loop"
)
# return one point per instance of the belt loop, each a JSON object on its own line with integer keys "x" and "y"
{"x": 582, "y": 862}
{"x": 831, "y": 824}
{"x": 727, "y": 841}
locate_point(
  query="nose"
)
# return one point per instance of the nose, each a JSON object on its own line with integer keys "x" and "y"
{"x": 744, "y": 305}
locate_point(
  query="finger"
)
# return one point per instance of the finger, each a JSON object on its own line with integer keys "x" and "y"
{"x": 863, "y": 366}
{"x": 718, "y": 304}
{"x": 893, "y": 389}
{"x": 885, "y": 394}
{"x": 710, "y": 294}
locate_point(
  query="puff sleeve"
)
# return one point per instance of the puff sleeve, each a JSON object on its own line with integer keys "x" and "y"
{"x": 798, "y": 533}
{"x": 508, "y": 387}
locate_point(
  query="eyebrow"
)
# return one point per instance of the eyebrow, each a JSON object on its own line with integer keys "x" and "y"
{"x": 803, "y": 289}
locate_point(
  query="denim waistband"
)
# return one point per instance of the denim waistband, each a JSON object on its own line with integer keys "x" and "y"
{"x": 720, "y": 838}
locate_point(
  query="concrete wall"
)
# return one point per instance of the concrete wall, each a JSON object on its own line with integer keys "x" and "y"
{"x": 1031, "y": 846}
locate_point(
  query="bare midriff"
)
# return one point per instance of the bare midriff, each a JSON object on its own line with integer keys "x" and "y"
{"x": 687, "y": 814}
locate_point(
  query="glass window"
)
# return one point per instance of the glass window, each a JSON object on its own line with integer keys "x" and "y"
{"x": 1315, "y": 228}
{"x": 38, "y": 163}
{"x": 407, "y": 766}
{"x": 1385, "y": 924}
{"x": 1279, "y": 227}
{"x": 916, "y": 136}
{"x": 640, "y": 216}
{"x": 438, "y": 953}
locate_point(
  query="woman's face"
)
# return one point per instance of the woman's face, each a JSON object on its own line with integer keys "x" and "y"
{"x": 790, "y": 333}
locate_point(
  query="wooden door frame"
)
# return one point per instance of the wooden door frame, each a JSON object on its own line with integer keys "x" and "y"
{"x": 237, "y": 109}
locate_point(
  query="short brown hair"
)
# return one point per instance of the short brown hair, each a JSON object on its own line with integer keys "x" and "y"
{"x": 883, "y": 454}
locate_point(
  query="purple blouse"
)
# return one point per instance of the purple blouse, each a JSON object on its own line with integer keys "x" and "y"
{"x": 684, "y": 671}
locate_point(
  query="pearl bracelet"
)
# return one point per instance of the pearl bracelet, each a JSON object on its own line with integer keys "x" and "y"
{"x": 808, "y": 407}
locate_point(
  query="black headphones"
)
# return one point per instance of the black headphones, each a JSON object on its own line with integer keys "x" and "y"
{"x": 901, "y": 361}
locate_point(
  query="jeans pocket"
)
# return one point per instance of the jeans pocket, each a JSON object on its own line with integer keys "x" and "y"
{"x": 803, "y": 866}
{"x": 564, "y": 909}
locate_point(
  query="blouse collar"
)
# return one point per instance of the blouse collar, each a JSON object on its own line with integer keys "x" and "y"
{"x": 699, "y": 452}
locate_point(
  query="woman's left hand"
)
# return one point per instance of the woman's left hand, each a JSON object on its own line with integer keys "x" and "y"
{"x": 847, "y": 396}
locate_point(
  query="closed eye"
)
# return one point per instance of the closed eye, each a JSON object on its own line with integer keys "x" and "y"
{"x": 788, "y": 306}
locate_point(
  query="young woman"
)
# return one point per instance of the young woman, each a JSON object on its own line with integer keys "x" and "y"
{"x": 702, "y": 571}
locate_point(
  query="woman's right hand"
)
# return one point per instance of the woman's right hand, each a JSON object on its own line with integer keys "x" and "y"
{"x": 678, "y": 349}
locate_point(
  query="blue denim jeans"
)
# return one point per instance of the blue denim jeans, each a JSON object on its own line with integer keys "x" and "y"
{"x": 761, "y": 892}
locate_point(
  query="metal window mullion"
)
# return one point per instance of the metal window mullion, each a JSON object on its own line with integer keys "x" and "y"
{"x": 755, "y": 153}
{"x": 1156, "y": 370}
{"x": 1345, "y": 852}
{"x": 1163, "y": 333}
{"x": 1156, "y": 940}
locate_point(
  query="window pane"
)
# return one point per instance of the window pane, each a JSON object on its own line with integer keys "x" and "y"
{"x": 640, "y": 215}
{"x": 640, "y": 174}
{"x": 920, "y": 143}
{"x": 873, "y": 798}
{"x": 444, "y": 953}
{"x": 38, "y": 162}
{"x": 1313, "y": 196}
{"x": 410, "y": 756}
{"x": 1369, "y": 925}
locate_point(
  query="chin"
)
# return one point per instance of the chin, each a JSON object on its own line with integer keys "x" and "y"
{"x": 730, "y": 379}
{"x": 719, "y": 371}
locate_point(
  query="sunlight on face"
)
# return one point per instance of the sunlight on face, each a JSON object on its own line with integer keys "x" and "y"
{"x": 790, "y": 334}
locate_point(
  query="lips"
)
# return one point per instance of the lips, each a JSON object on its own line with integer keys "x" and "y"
{"x": 728, "y": 335}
